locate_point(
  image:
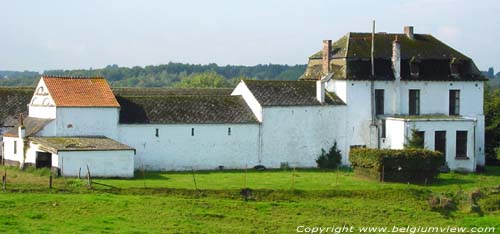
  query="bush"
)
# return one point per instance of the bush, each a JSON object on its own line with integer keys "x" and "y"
{"x": 330, "y": 160}
{"x": 407, "y": 165}
{"x": 490, "y": 204}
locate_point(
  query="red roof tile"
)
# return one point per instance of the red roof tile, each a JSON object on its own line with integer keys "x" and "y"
{"x": 80, "y": 91}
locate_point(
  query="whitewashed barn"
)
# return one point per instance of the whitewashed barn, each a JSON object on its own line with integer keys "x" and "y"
{"x": 416, "y": 83}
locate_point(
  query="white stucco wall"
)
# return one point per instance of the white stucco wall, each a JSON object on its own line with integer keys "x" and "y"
{"x": 296, "y": 135}
{"x": 86, "y": 121}
{"x": 42, "y": 105}
{"x": 8, "y": 149}
{"x": 434, "y": 99}
{"x": 113, "y": 163}
{"x": 397, "y": 127}
{"x": 176, "y": 149}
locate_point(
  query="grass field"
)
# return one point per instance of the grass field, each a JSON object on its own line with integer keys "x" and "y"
{"x": 280, "y": 201}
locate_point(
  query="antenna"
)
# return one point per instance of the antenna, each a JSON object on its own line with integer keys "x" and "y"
{"x": 373, "y": 48}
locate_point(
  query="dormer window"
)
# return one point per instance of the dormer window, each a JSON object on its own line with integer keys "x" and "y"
{"x": 455, "y": 68}
{"x": 414, "y": 67}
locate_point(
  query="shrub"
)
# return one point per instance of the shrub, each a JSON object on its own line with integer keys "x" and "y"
{"x": 442, "y": 203}
{"x": 415, "y": 141}
{"x": 330, "y": 160}
{"x": 407, "y": 165}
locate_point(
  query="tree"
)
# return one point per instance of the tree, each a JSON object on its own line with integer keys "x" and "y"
{"x": 492, "y": 123}
{"x": 330, "y": 160}
{"x": 416, "y": 140}
{"x": 203, "y": 80}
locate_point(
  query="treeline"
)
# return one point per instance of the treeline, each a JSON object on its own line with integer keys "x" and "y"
{"x": 171, "y": 75}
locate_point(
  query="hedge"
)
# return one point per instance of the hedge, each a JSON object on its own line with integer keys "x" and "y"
{"x": 406, "y": 165}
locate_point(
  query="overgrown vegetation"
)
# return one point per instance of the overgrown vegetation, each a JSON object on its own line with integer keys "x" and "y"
{"x": 407, "y": 165}
{"x": 330, "y": 160}
{"x": 492, "y": 124}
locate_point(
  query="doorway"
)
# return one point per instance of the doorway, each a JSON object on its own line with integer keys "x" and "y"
{"x": 43, "y": 159}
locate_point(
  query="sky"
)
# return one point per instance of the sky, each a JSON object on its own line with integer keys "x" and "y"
{"x": 41, "y": 35}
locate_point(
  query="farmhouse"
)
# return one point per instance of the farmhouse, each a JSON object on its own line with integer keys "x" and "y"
{"x": 349, "y": 94}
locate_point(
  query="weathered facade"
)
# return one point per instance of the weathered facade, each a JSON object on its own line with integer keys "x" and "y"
{"x": 412, "y": 83}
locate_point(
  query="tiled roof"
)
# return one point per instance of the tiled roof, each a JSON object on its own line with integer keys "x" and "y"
{"x": 80, "y": 91}
{"x": 184, "y": 109}
{"x": 288, "y": 93}
{"x": 32, "y": 126}
{"x": 351, "y": 59}
{"x": 84, "y": 143}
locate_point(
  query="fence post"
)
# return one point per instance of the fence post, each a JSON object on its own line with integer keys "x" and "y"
{"x": 50, "y": 180}
{"x": 194, "y": 179}
{"x": 246, "y": 167}
{"x": 79, "y": 173}
{"x": 383, "y": 173}
{"x": 89, "y": 178}
{"x": 4, "y": 182}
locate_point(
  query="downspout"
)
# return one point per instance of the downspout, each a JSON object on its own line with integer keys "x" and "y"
{"x": 373, "y": 123}
{"x": 474, "y": 145}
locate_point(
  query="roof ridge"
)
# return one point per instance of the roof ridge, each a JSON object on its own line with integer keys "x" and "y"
{"x": 72, "y": 77}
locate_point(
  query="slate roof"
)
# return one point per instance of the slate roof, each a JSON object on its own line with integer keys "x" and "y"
{"x": 171, "y": 91}
{"x": 32, "y": 126}
{"x": 14, "y": 100}
{"x": 83, "y": 143}
{"x": 354, "y": 49}
{"x": 184, "y": 109}
{"x": 289, "y": 93}
{"x": 80, "y": 91}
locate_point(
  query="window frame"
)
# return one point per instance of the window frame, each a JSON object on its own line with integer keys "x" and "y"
{"x": 436, "y": 138}
{"x": 461, "y": 139}
{"x": 414, "y": 102}
{"x": 379, "y": 101}
{"x": 454, "y": 102}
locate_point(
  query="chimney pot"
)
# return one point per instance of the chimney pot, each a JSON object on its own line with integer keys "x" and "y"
{"x": 409, "y": 32}
{"x": 327, "y": 50}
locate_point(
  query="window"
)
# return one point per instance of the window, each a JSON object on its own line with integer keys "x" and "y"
{"x": 420, "y": 139}
{"x": 229, "y": 131}
{"x": 383, "y": 134}
{"x": 414, "y": 102}
{"x": 192, "y": 131}
{"x": 157, "y": 133}
{"x": 379, "y": 101}
{"x": 454, "y": 102}
{"x": 414, "y": 68}
{"x": 440, "y": 141}
{"x": 461, "y": 144}
{"x": 15, "y": 147}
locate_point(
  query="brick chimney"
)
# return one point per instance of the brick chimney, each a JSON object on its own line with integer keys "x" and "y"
{"x": 327, "y": 50}
{"x": 409, "y": 32}
{"x": 396, "y": 68}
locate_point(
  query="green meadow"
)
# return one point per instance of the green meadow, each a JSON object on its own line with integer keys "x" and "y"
{"x": 278, "y": 201}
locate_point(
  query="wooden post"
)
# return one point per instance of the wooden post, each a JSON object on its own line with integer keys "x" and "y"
{"x": 50, "y": 181}
{"x": 246, "y": 166}
{"x": 4, "y": 179}
{"x": 194, "y": 179}
{"x": 143, "y": 175}
{"x": 79, "y": 173}
{"x": 4, "y": 182}
{"x": 293, "y": 178}
{"x": 89, "y": 178}
{"x": 383, "y": 173}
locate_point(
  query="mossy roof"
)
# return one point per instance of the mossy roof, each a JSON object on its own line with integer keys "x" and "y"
{"x": 184, "y": 109}
{"x": 83, "y": 143}
{"x": 289, "y": 93}
{"x": 14, "y": 100}
{"x": 433, "y": 56}
{"x": 31, "y": 125}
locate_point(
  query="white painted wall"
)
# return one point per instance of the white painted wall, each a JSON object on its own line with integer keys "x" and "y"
{"x": 42, "y": 105}
{"x": 8, "y": 149}
{"x": 176, "y": 149}
{"x": 398, "y": 130}
{"x": 295, "y": 135}
{"x": 242, "y": 89}
{"x": 434, "y": 99}
{"x": 87, "y": 121}
{"x": 113, "y": 163}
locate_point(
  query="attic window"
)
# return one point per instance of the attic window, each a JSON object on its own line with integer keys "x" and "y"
{"x": 414, "y": 67}
{"x": 455, "y": 68}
